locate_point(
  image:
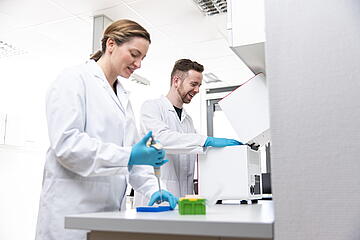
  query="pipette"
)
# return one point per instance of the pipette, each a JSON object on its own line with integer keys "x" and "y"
{"x": 157, "y": 173}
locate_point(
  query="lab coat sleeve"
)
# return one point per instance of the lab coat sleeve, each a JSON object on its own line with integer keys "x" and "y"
{"x": 173, "y": 142}
{"x": 73, "y": 147}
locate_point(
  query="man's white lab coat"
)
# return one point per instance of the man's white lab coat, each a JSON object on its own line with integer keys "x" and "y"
{"x": 181, "y": 142}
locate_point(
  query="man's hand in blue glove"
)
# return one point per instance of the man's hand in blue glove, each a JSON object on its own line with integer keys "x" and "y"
{"x": 144, "y": 155}
{"x": 166, "y": 196}
{"x": 220, "y": 142}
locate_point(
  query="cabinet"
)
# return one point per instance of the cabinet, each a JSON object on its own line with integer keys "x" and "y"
{"x": 246, "y": 32}
{"x": 245, "y": 22}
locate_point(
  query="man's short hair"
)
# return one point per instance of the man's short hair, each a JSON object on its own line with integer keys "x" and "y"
{"x": 182, "y": 66}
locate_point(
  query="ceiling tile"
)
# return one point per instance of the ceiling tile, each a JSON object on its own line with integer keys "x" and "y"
{"x": 236, "y": 75}
{"x": 220, "y": 23}
{"x": 227, "y": 68}
{"x": 178, "y": 29}
{"x": 230, "y": 61}
{"x": 120, "y": 11}
{"x": 191, "y": 32}
{"x": 82, "y": 6}
{"x": 72, "y": 37}
{"x": 30, "y": 13}
{"x": 73, "y": 34}
{"x": 208, "y": 49}
{"x": 166, "y": 12}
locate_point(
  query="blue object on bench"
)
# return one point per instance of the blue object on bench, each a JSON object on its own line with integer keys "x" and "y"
{"x": 154, "y": 209}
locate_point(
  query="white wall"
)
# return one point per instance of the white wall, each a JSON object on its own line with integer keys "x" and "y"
{"x": 24, "y": 80}
{"x": 313, "y": 71}
{"x": 20, "y": 184}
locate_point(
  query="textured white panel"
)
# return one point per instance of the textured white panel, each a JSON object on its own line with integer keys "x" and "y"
{"x": 312, "y": 57}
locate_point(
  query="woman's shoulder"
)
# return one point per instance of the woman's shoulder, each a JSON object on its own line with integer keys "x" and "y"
{"x": 76, "y": 70}
{"x": 71, "y": 75}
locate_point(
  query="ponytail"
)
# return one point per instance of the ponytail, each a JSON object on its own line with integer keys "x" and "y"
{"x": 96, "y": 56}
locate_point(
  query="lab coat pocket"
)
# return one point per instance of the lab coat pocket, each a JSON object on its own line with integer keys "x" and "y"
{"x": 80, "y": 196}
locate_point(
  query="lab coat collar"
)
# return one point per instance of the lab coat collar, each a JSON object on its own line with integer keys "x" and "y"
{"x": 122, "y": 101}
{"x": 170, "y": 107}
{"x": 122, "y": 94}
{"x": 96, "y": 70}
{"x": 120, "y": 88}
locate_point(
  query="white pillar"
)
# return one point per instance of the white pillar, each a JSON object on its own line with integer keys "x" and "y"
{"x": 100, "y": 22}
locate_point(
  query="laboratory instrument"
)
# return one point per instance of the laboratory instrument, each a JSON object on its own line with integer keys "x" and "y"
{"x": 192, "y": 205}
{"x": 234, "y": 172}
{"x": 157, "y": 172}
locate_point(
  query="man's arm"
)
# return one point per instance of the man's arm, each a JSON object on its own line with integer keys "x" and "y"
{"x": 173, "y": 142}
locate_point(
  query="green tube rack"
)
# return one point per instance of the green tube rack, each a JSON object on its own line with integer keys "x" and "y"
{"x": 192, "y": 206}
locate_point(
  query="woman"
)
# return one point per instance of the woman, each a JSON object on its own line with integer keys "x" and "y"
{"x": 92, "y": 134}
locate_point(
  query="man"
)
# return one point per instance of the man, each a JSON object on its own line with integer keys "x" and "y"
{"x": 174, "y": 129}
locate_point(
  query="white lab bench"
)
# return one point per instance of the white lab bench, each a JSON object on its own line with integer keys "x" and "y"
{"x": 220, "y": 222}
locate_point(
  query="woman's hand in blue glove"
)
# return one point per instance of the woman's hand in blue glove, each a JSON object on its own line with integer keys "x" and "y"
{"x": 144, "y": 155}
{"x": 165, "y": 196}
{"x": 221, "y": 142}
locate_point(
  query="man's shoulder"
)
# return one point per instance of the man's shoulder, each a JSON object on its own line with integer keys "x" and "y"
{"x": 154, "y": 102}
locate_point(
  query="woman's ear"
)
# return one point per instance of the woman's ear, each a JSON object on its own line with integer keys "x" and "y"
{"x": 110, "y": 44}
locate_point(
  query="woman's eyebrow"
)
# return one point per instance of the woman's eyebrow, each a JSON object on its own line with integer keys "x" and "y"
{"x": 135, "y": 49}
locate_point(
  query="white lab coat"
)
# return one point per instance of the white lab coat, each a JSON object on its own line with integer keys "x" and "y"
{"x": 180, "y": 141}
{"x": 91, "y": 132}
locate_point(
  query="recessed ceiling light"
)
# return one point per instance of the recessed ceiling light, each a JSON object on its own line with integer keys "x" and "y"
{"x": 9, "y": 50}
{"x": 212, "y": 7}
{"x": 139, "y": 79}
{"x": 211, "y": 78}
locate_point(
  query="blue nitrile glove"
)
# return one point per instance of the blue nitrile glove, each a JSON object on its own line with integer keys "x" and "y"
{"x": 144, "y": 155}
{"x": 166, "y": 196}
{"x": 220, "y": 142}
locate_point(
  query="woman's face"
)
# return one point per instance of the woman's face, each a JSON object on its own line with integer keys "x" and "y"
{"x": 127, "y": 57}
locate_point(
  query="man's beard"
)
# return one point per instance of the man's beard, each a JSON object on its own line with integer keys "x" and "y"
{"x": 183, "y": 95}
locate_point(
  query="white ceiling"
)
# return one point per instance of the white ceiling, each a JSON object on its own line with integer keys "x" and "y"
{"x": 178, "y": 30}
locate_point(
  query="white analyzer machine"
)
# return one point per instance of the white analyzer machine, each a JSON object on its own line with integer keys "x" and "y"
{"x": 234, "y": 172}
